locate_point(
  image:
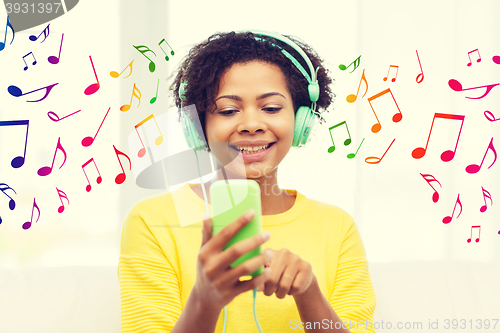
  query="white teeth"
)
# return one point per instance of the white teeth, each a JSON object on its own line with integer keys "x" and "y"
{"x": 249, "y": 150}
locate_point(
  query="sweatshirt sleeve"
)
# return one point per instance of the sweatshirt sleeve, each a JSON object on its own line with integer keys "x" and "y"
{"x": 353, "y": 297}
{"x": 149, "y": 285}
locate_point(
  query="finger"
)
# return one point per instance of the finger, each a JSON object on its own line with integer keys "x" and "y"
{"x": 301, "y": 282}
{"x": 248, "y": 267}
{"x": 278, "y": 265}
{"x": 286, "y": 281}
{"x": 207, "y": 229}
{"x": 224, "y": 236}
{"x": 241, "y": 248}
{"x": 243, "y": 286}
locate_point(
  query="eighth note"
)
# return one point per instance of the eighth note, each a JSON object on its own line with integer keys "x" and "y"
{"x": 61, "y": 195}
{"x": 143, "y": 49}
{"x": 346, "y": 142}
{"x": 88, "y": 188}
{"x": 120, "y": 178}
{"x": 45, "y": 33}
{"x": 478, "y": 237}
{"x": 34, "y": 60}
{"x": 352, "y": 98}
{"x": 8, "y": 25}
{"x": 447, "y": 219}
{"x": 46, "y": 170}
{"x": 395, "y": 76}
{"x": 87, "y": 141}
{"x": 12, "y": 204}
{"x": 16, "y": 92}
{"x": 474, "y": 168}
{"x": 115, "y": 74}
{"x": 395, "y": 118}
{"x": 356, "y": 63}
{"x": 27, "y": 225}
{"x": 171, "y": 52}
{"x": 429, "y": 179}
{"x": 457, "y": 86}
{"x": 486, "y": 194}
{"x": 479, "y": 57}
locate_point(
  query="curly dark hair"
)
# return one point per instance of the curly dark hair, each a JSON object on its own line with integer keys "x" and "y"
{"x": 208, "y": 61}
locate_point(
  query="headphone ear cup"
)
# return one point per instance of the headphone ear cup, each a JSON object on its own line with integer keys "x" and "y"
{"x": 191, "y": 134}
{"x": 304, "y": 121}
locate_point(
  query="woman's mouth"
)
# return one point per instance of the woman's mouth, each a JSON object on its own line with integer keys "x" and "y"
{"x": 254, "y": 155}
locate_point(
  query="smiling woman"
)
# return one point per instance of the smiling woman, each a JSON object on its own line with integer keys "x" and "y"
{"x": 255, "y": 100}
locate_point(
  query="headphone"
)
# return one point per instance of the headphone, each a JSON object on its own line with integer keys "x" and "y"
{"x": 305, "y": 118}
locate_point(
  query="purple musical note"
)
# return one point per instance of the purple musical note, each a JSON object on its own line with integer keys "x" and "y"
{"x": 457, "y": 86}
{"x": 53, "y": 59}
{"x": 16, "y": 92}
{"x": 12, "y": 204}
{"x": 46, "y": 170}
{"x": 19, "y": 160}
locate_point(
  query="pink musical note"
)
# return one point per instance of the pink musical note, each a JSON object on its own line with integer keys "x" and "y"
{"x": 457, "y": 86}
{"x": 53, "y": 59}
{"x": 46, "y": 170}
{"x": 479, "y": 236}
{"x": 87, "y": 141}
{"x": 486, "y": 194}
{"x": 352, "y": 155}
{"x": 54, "y": 117}
{"x": 115, "y": 74}
{"x": 88, "y": 188}
{"x": 171, "y": 52}
{"x": 8, "y": 25}
{"x": 489, "y": 115}
{"x": 447, "y": 155}
{"x": 395, "y": 76}
{"x": 143, "y": 49}
{"x": 34, "y": 60}
{"x": 158, "y": 140}
{"x": 120, "y": 178}
{"x": 346, "y": 141}
{"x": 154, "y": 98}
{"x": 356, "y": 63}
{"x": 352, "y": 98}
{"x": 430, "y": 178}
{"x": 377, "y": 160}
{"x": 447, "y": 219}
{"x": 395, "y": 118}
{"x": 45, "y": 33}
{"x": 496, "y": 59}
{"x": 94, "y": 86}
{"x": 19, "y": 160}
{"x": 420, "y": 77}
{"x": 126, "y": 107}
{"x": 12, "y": 204}
{"x": 16, "y": 92}
{"x": 470, "y": 60}
{"x": 27, "y": 225}
{"x": 474, "y": 168}
{"x": 61, "y": 195}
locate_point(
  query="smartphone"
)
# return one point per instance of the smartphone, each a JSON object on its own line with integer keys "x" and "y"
{"x": 229, "y": 200}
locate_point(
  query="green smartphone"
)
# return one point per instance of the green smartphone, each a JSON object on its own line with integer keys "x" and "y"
{"x": 230, "y": 199}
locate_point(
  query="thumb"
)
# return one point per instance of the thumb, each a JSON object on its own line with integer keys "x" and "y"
{"x": 207, "y": 229}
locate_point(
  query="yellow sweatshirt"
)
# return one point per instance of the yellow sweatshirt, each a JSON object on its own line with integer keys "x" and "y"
{"x": 157, "y": 267}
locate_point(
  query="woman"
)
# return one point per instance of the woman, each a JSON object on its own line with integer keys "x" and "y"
{"x": 248, "y": 93}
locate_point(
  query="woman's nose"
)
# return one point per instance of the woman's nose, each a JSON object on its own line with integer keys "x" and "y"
{"x": 252, "y": 121}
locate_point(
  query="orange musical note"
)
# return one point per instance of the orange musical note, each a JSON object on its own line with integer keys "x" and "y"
{"x": 457, "y": 86}
{"x": 8, "y": 25}
{"x": 27, "y": 225}
{"x": 486, "y": 194}
{"x": 87, "y": 141}
{"x": 395, "y": 76}
{"x": 61, "y": 195}
{"x": 429, "y": 179}
{"x": 447, "y": 219}
{"x": 356, "y": 63}
{"x": 171, "y": 52}
{"x": 396, "y": 118}
{"x": 470, "y": 61}
{"x": 158, "y": 140}
{"x": 46, "y": 170}
{"x": 45, "y": 33}
{"x": 94, "y": 86}
{"x": 126, "y": 107}
{"x": 120, "y": 178}
{"x": 34, "y": 60}
{"x": 143, "y": 49}
{"x": 490, "y": 116}
{"x": 474, "y": 168}
{"x": 115, "y": 74}
{"x": 19, "y": 160}
{"x": 352, "y": 98}
{"x": 16, "y": 91}
{"x": 154, "y": 98}
{"x": 12, "y": 204}
{"x": 478, "y": 237}
{"x": 54, "y": 117}
{"x": 88, "y": 188}
{"x": 447, "y": 155}
{"x": 420, "y": 77}
{"x": 346, "y": 142}
{"x": 53, "y": 59}
{"x": 377, "y": 160}
{"x": 352, "y": 155}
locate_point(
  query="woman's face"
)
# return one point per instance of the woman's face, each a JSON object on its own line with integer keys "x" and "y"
{"x": 254, "y": 109}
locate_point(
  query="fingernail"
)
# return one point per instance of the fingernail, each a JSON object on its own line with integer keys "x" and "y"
{"x": 250, "y": 213}
{"x": 266, "y": 235}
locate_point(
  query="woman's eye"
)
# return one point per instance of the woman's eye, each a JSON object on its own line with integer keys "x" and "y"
{"x": 227, "y": 112}
{"x": 272, "y": 109}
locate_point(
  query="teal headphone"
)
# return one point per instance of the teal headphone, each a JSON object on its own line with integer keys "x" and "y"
{"x": 305, "y": 118}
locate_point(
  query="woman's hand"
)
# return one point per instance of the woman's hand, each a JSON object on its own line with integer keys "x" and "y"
{"x": 217, "y": 283}
{"x": 290, "y": 275}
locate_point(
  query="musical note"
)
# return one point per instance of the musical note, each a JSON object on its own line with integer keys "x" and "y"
{"x": 457, "y": 86}
{"x": 171, "y": 52}
{"x": 16, "y": 92}
{"x": 154, "y": 98}
{"x": 46, "y": 170}
{"x": 158, "y": 140}
{"x": 447, "y": 219}
{"x": 27, "y": 225}
{"x": 352, "y": 98}
{"x": 12, "y": 204}
{"x": 377, "y": 160}
{"x": 496, "y": 60}
{"x": 470, "y": 61}
{"x": 34, "y": 62}
{"x": 395, "y": 76}
{"x": 19, "y": 160}
{"x": 143, "y": 49}
{"x": 61, "y": 195}
{"x": 53, "y": 59}
{"x": 490, "y": 116}
{"x": 54, "y": 117}
{"x": 421, "y": 75}
{"x": 474, "y": 168}
{"x": 356, "y": 63}
{"x": 479, "y": 236}
{"x": 429, "y": 179}
{"x": 94, "y": 86}
{"x": 395, "y": 118}
{"x": 346, "y": 142}
{"x": 88, "y": 188}
{"x": 120, "y": 178}
{"x": 352, "y": 155}
{"x": 447, "y": 155}
{"x": 486, "y": 194}
{"x": 87, "y": 141}
{"x": 8, "y": 25}
{"x": 45, "y": 33}
{"x": 126, "y": 107}
{"x": 115, "y": 74}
